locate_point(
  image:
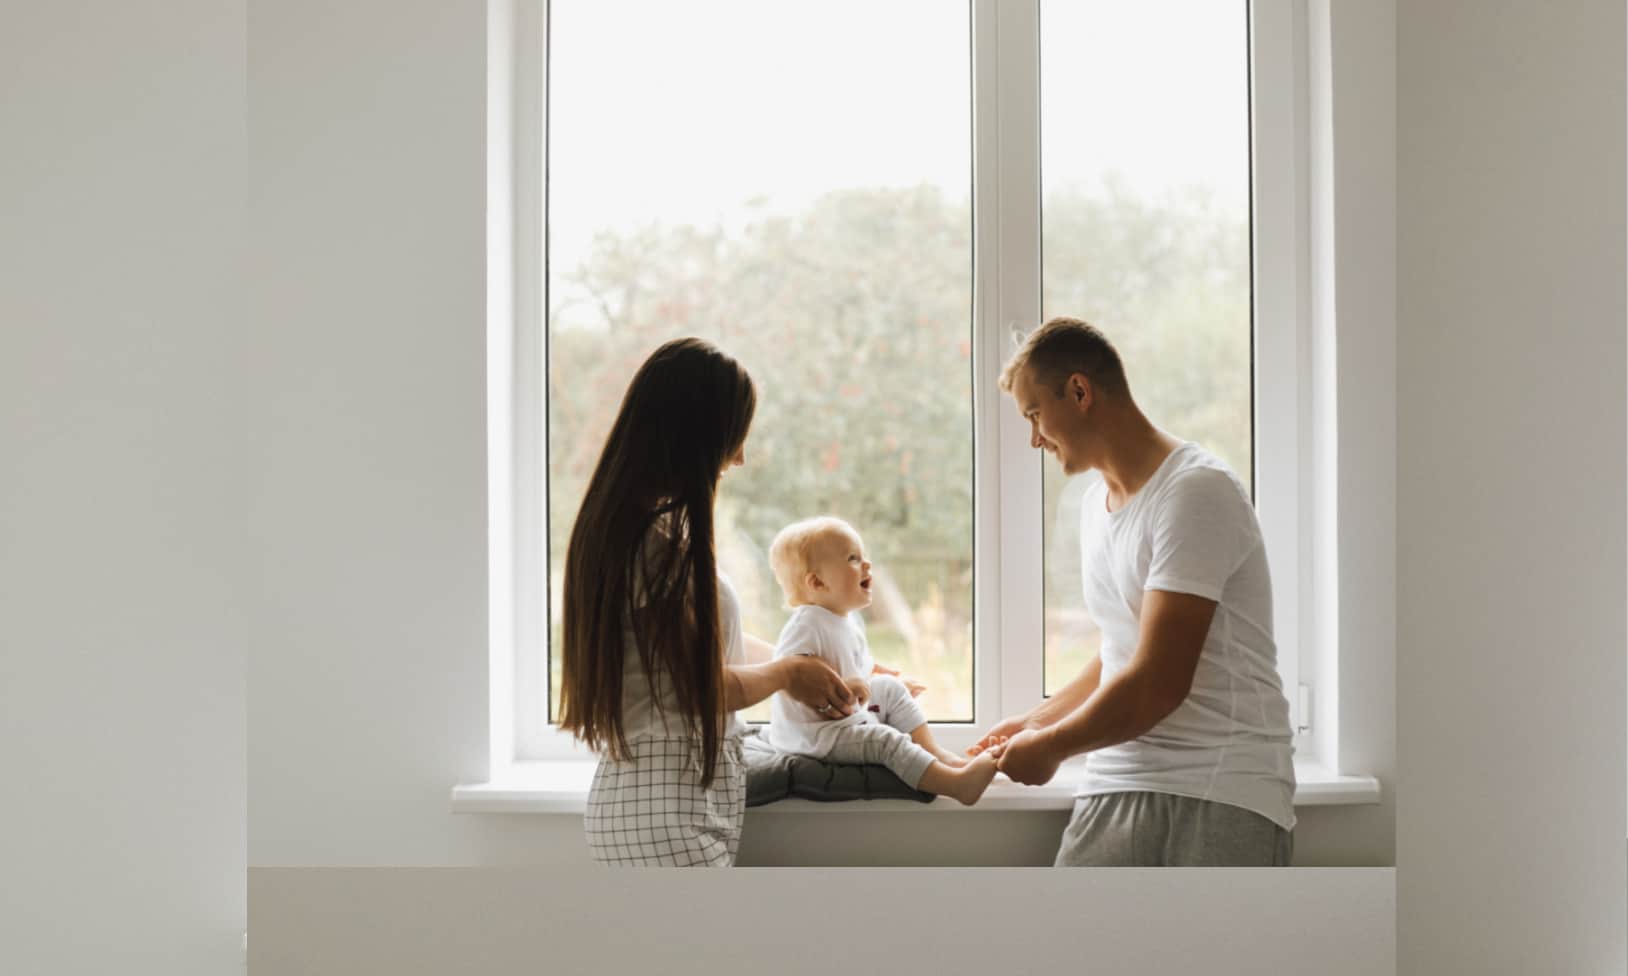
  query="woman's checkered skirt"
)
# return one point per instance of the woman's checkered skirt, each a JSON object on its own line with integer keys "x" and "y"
{"x": 652, "y": 810}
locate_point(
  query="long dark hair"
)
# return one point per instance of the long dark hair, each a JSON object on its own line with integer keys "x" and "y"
{"x": 642, "y": 549}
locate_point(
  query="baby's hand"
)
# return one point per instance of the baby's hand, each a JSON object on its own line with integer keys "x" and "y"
{"x": 915, "y": 687}
{"x": 860, "y": 687}
{"x": 879, "y": 669}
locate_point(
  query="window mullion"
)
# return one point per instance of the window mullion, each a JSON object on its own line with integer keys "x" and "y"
{"x": 1281, "y": 346}
{"x": 533, "y": 738}
{"x": 1006, "y": 127}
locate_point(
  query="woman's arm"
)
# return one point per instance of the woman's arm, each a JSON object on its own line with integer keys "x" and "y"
{"x": 806, "y": 679}
{"x": 758, "y": 650}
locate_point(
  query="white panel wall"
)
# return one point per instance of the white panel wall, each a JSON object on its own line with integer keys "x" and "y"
{"x": 122, "y": 476}
{"x": 1510, "y": 460}
{"x": 367, "y": 677}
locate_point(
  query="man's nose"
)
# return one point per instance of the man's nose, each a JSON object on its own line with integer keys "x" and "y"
{"x": 1034, "y": 438}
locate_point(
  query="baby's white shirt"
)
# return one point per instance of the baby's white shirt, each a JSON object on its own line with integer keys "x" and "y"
{"x": 838, "y": 641}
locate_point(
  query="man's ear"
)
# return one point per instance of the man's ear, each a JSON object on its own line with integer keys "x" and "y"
{"x": 1079, "y": 390}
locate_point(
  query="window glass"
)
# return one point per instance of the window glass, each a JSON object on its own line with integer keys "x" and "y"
{"x": 796, "y": 189}
{"x": 1145, "y": 189}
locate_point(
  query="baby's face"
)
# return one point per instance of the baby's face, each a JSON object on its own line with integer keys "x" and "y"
{"x": 839, "y": 561}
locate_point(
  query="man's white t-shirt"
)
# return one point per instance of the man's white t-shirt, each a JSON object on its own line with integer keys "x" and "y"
{"x": 838, "y": 641}
{"x": 640, "y": 714}
{"x": 1192, "y": 529}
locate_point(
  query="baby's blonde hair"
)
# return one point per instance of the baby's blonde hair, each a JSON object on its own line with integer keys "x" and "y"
{"x": 790, "y": 553}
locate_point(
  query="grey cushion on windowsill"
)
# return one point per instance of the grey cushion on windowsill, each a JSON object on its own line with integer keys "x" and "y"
{"x": 773, "y": 775}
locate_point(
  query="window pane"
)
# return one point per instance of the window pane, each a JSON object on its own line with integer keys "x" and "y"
{"x": 792, "y": 182}
{"x": 1145, "y": 233}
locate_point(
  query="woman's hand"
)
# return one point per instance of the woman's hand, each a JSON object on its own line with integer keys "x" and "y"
{"x": 811, "y": 681}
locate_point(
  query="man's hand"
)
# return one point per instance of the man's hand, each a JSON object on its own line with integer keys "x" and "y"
{"x": 1001, "y": 731}
{"x": 813, "y": 682}
{"x": 1028, "y": 758}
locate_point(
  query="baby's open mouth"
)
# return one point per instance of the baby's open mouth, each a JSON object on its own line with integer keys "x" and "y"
{"x": 865, "y": 584}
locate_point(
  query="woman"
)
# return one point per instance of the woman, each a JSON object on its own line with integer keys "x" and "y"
{"x": 654, "y": 662}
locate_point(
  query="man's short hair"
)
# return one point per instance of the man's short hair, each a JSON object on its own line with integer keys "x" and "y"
{"x": 791, "y": 553}
{"x": 1063, "y": 347}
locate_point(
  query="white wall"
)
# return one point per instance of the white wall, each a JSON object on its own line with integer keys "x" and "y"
{"x": 122, "y": 472}
{"x": 1353, "y": 77}
{"x": 1510, "y": 459}
{"x": 367, "y": 674}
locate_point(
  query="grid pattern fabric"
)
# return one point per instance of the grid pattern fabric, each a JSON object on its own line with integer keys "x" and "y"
{"x": 652, "y": 810}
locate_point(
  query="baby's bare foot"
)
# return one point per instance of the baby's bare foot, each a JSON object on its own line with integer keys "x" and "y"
{"x": 973, "y": 778}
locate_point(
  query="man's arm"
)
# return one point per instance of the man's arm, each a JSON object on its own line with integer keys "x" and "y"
{"x": 1157, "y": 680}
{"x": 1049, "y": 711}
{"x": 1070, "y": 697}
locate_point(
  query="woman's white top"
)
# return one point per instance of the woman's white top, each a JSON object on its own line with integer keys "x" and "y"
{"x": 640, "y": 695}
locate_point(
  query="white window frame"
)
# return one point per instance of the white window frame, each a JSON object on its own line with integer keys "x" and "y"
{"x": 1008, "y": 533}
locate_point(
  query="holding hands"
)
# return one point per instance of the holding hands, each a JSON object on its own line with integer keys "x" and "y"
{"x": 1001, "y": 731}
{"x": 1027, "y": 757}
{"x": 1022, "y": 750}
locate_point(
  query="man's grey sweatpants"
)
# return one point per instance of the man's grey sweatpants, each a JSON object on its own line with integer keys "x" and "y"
{"x": 1139, "y": 829}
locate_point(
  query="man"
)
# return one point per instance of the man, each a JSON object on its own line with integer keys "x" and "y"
{"x": 1182, "y": 713}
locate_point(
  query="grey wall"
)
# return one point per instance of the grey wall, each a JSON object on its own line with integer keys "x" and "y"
{"x": 123, "y": 470}
{"x": 1510, "y": 460}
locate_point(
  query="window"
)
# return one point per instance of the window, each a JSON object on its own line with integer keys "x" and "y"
{"x": 684, "y": 199}
{"x": 1145, "y": 232}
{"x": 849, "y": 198}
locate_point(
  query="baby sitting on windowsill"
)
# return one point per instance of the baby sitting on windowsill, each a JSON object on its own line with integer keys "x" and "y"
{"x": 821, "y": 566}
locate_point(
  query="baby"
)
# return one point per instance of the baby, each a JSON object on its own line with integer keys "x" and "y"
{"x": 822, "y": 569}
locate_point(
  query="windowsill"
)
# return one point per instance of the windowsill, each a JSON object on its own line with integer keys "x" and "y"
{"x": 562, "y": 788}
